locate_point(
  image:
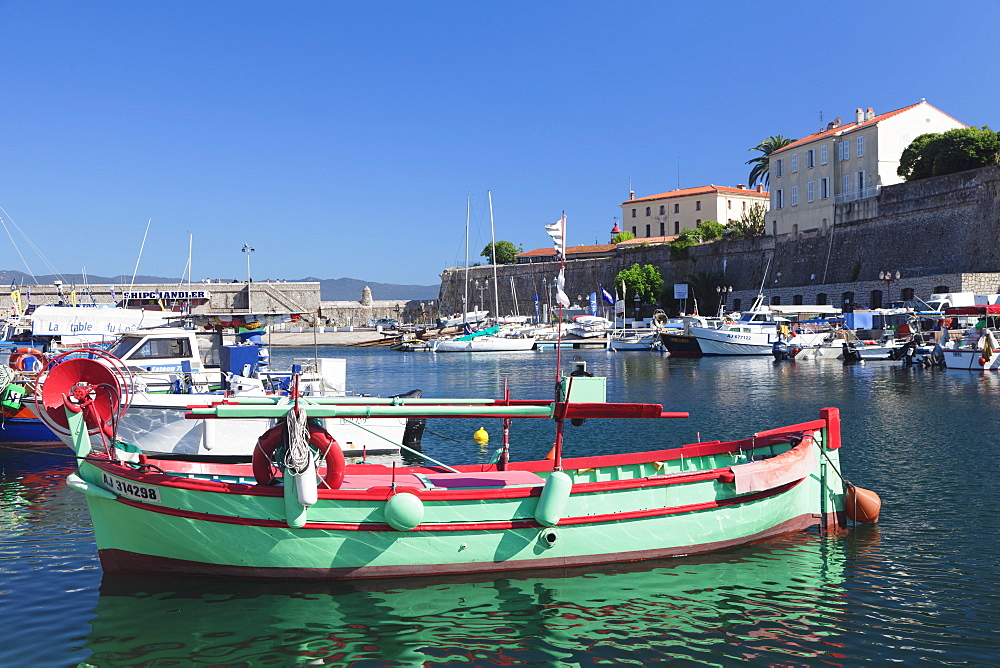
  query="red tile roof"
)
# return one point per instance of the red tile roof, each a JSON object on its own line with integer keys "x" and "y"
{"x": 648, "y": 240}
{"x": 851, "y": 127}
{"x": 703, "y": 190}
{"x": 570, "y": 250}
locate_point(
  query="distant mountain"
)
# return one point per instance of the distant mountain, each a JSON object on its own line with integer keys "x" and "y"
{"x": 7, "y": 277}
{"x": 330, "y": 289}
{"x": 349, "y": 289}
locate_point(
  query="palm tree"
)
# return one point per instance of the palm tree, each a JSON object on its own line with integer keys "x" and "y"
{"x": 760, "y": 172}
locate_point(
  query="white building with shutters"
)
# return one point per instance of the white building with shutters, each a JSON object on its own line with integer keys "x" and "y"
{"x": 842, "y": 163}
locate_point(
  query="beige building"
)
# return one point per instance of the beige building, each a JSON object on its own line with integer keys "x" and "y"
{"x": 845, "y": 162}
{"x": 670, "y": 213}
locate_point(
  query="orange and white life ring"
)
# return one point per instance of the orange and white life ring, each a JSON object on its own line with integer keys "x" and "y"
{"x": 19, "y": 359}
{"x": 320, "y": 438}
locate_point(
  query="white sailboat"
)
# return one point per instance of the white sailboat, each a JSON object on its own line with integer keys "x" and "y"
{"x": 499, "y": 338}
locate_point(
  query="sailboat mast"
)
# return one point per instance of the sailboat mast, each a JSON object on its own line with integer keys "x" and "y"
{"x": 465, "y": 301}
{"x": 493, "y": 245}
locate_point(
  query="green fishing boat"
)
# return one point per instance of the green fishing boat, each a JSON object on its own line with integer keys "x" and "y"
{"x": 299, "y": 511}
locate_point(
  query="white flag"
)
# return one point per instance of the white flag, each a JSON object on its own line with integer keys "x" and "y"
{"x": 561, "y": 297}
{"x": 557, "y": 231}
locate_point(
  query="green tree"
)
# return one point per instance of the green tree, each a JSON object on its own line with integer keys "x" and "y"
{"x": 706, "y": 231}
{"x": 750, "y": 224}
{"x": 760, "y": 173}
{"x": 641, "y": 279}
{"x": 506, "y": 252}
{"x": 622, "y": 236}
{"x": 710, "y": 229}
{"x": 958, "y": 150}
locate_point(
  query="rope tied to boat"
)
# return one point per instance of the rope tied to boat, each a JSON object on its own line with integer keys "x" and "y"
{"x": 297, "y": 452}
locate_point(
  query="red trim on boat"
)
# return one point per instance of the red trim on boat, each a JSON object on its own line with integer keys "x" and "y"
{"x": 121, "y": 561}
{"x": 832, "y": 417}
{"x": 465, "y": 526}
{"x": 762, "y": 439}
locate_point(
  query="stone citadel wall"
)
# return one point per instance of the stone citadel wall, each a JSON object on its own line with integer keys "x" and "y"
{"x": 939, "y": 232}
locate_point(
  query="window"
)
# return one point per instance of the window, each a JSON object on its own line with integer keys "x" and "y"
{"x": 875, "y": 300}
{"x": 648, "y": 209}
{"x": 795, "y": 195}
{"x": 847, "y": 298}
{"x": 663, "y": 209}
{"x": 811, "y": 191}
{"x": 861, "y": 181}
{"x": 797, "y": 300}
{"x": 844, "y": 149}
{"x": 940, "y": 289}
{"x": 795, "y": 162}
{"x": 633, "y": 231}
{"x": 698, "y": 222}
{"x": 821, "y": 299}
{"x": 779, "y": 167}
{"x": 163, "y": 349}
{"x": 795, "y": 230}
{"x": 647, "y": 231}
{"x": 775, "y": 301}
{"x": 663, "y": 229}
{"x": 677, "y": 227}
{"x": 677, "y": 208}
{"x": 824, "y": 187}
{"x": 737, "y": 304}
{"x": 860, "y": 141}
{"x": 822, "y": 155}
{"x": 810, "y": 158}
{"x": 744, "y": 205}
{"x": 697, "y": 205}
{"x": 633, "y": 213}
{"x": 729, "y": 203}
{"x": 906, "y": 294}
{"x": 779, "y": 198}
{"x": 846, "y": 183}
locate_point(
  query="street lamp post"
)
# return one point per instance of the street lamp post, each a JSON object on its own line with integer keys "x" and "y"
{"x": 888, "y": 277}
{"x": 637, "y": 304}
{"x": 723, "y": 291}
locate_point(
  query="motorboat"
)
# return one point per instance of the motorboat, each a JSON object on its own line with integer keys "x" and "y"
{"x": 756, "y": 331}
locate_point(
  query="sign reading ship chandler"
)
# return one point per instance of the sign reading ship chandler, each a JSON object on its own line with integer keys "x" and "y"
{"x": 168, "y": 294}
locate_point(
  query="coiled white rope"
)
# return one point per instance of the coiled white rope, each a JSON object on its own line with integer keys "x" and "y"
{"x": 297, "y": 452}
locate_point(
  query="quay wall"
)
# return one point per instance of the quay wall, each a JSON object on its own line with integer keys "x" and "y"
{"x": 223, "y": 297}
{"x": 937, "y": 233}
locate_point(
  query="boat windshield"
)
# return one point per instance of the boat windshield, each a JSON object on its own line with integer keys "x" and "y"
{"x": 124, "y": 346}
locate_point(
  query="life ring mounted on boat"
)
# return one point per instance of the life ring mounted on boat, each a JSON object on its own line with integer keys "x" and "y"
{"x": 19, "y": 359}
{"x": 319, "y": 438}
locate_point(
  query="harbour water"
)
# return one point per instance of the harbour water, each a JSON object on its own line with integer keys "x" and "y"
{"x": 922, "y": 586}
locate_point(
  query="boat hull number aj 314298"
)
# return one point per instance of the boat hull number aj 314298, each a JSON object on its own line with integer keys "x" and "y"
{"x": 132, "y": 490}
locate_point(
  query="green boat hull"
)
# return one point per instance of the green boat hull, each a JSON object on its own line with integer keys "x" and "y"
{"x": 688, "y": 500}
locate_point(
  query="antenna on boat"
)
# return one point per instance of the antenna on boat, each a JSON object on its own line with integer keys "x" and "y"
{"x": 760, "y": 293}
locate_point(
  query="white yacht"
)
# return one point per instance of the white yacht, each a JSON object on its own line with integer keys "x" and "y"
{"x": 756, "y": 331}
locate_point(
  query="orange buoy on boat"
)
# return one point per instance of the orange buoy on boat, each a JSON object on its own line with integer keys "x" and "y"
{"x": 863, "y": 505}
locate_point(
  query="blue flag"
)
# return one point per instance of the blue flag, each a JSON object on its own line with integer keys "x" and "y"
{"x": 607, "y": 296}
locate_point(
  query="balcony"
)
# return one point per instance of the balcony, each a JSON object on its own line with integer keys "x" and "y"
{"x": 855, "y": 195}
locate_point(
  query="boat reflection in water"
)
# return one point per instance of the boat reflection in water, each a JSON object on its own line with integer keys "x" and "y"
{"x": 765, "y": 602}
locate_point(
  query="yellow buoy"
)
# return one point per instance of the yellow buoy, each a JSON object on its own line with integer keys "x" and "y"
{"x": 481, "y": 436}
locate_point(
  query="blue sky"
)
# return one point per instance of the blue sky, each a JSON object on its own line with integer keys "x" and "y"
{"x": 341, "y": 139}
